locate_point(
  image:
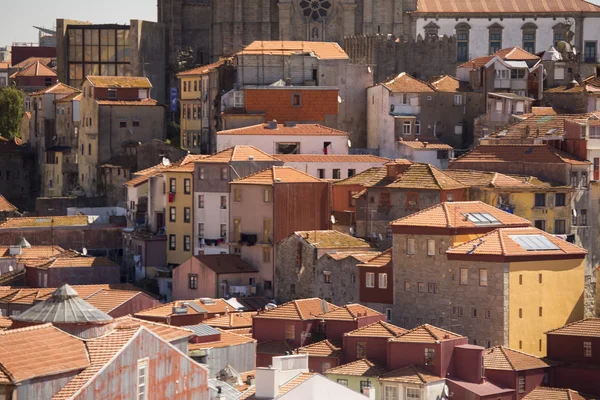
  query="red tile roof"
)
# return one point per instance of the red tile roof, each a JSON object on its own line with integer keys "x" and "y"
{"x": 490, "y": 179}
{"x": 5, "y": 323}
{"x": 136, "y": 82}
{"x": 426, "y": 334}
{"x": 528, "y": 153}
{"x": 536, "y": 127}
{"x": 78, "y": 262}
{"x": 589, "y": 327}
{"x": 405, "y": 83}
{"x": 378, "y": 329}
{"x": 227, "y": 339}
{"x": 6, "y": 206}
{"x": 462, "y": 7}
{"x": 55, "y": 353}
{"x": 239, "y": 153}
{"x": 549, "y": 393}
{"x": 322, "y": 50}
{"x": 411, "y": 375}
{"x": 360, "y": 256}
{"x": 283, "y": 130}
{"x": 506, "y": 359}
{"x": 366, "y": 178}
{"x": 129, "y": 103}
{"x": 286, "y": 387}
{"x": 449, "y": 84}
{"x": 453, "y": 215}
{"x": 349, "y": 312}
{"x": 219, "y": 306}
{"x": 424, "y": 145}
{"x": 35, "y": 222}
{"x": 516, "y": 53}
{"x": 32, "y": 60}
{"x": 332, "y": 240}
{"x": 477, "y": 62}
{"x": 278, "y": 175}
{"x": 332, "y": 158}
{"x": 231, "y": 320}
{"x": 501, "y": 242}
{"x": 202, "y": 69}
{"x": 59, "y": 88}
{"x": 168, "y": 333}
{"x": 362, "y": 367}
{"x": 324, "y": 348}
{"x": 108, "y": 300}
{"x": 300, "y": 310}
{"x": 35, "y": 69}
{"x": 381, "y": 260}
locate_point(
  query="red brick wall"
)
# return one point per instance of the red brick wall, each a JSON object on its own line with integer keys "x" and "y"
{"x": 277, "y": 104}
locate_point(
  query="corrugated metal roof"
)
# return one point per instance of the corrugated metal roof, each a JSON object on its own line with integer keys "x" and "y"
{"x": 202, "y": 330}
{"x": 227, "y": 391}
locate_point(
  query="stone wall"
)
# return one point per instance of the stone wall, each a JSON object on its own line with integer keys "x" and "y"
{"x": 568, "y": 103}
{"x": 443, "y": 301}
{"x": 389, "y": 55}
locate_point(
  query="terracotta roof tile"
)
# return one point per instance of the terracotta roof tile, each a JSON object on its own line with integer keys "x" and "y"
{"x": 277, "y": 175}
{"x": 411, "y": 375}
{"x": 333, "y": 158}
{"x": 120, "y": 82}
{"x": 108, "y": 300}
{"x": 32, "y": 60}
{"x": 5, "y": 323}
{"x": 405, "y": 83}
{"x": 168, "y": 333}
{"x": 55, "y": 352}
{"x": 382, "y": 260}
{"x": 300, "y": 310}
{"x": 543, "y": 111}
{"x": 362, "y": 367}
{"x": 232, "y": 320}
{"x": 283, "y": 130}
{"x": 35, "y": 69}
{"x": 59, "y": 88}
{"x": 239, "y": 153}
{"x": 378, "y": 329}
{"x": 186, "y": 164}
{"x": 140, "y": 103}
{"x": 101, "y": 351}
{"x": 488, "y": 179}
{"x": 477, "y": 62}
{"x": 517, "y": 53}
{"x": 202, "y": 69}
{"x": 589, "y": 327}
{"x": 67, "y": 99}
{"x": 366, "y": 178}
{"x": 227, "y": 339}
{"x": 79, "y": 262}
{"x": 218, "y": 306}
{"x": 33, "y": 252}
{"x": 502, "y": 242}
{"x": 242, "y": 331}
{"x": 331, "y": 240}
{"x": 517, "y": 153}
{"x": 449, "y": 84}
{"x": 425, "y": 176}
{"x": 286, "y": 387}
{"x": 452, "y": 215}
{"x": 35, "y": 222}
{"x": 548, "y": 393}
{"x": 424, "y": 145}
{"x": 322, "y": 50}
{"x": 360, "y": 256}
{"x": 536, "y": 126}
{"x": 324, "y": 348}
{"x": 349, "y": 312}
{"x": 503, "y": 358}
{"x": 426, "y": 334}
{"x": 462, "y": 7}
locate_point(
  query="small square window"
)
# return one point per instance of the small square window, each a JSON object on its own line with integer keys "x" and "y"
{"x": 540, "y": 200}
{"x": 123, "y": 124}
{"x": 407, "y": 286}
{"x": 410, "y": 246}
{"x": 421, "y": 286}
{"x": 193, "y": 281}
{"x": 296, "y": 99}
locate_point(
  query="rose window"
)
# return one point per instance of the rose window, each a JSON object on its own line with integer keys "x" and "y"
{"x": 315, "y": 9}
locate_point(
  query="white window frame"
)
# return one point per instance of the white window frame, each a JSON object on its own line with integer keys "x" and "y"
{"x": 383, "y": 281}
{"x": 458, "y": 99}
{"x": 390, "y": 392}
{"x": 415, "y": 391}
{"x": 142, "y": 389}
{"x": 405, "y": 124}
{"x": 370, "y": 279}
{"x": 430, "y": 247}
{"x": 417, "y": 128}
{"x": 238, "y": 99}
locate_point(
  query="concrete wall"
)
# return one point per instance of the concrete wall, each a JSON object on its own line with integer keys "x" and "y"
{"x": 312, "y": 168}
{"x": 268, "y": 143}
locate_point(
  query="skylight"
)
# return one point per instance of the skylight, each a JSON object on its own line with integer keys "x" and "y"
{"x": 482, "y": 219}
{"x": 534, "y": 242}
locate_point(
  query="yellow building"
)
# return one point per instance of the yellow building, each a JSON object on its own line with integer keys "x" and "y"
{"x": 179, "y": 219}
{"x": 547, "y": 207}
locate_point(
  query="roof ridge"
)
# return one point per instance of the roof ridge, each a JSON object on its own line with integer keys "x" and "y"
{"x": 298, "y": 309}
{"x": 507, "y": 358}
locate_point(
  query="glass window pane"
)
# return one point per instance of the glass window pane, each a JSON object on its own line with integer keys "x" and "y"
{"x": 108, "y": 53}
{"x": 123, "y": 54}
{"x": 75, "y": 53}
{"x": 123, "y": 70}
{"x": 123, "y": 37}
{"x": 108, "y": 70}
{"x": 92, "y": 69}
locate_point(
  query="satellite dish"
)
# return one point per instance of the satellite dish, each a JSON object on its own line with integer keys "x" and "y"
{"x": 370, "y": 70}
{"x": 349, "y": 143}
{"x": 84, "y": 251}
{"x": 332, "y": 219}
{"x": 166, "y": 162}
{"x": 352, "y": 230}
{"x": 339, "y": 100}
{"x": 10, "y": 268}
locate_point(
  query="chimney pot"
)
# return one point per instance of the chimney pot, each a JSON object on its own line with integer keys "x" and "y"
{"x": 272, "y": 124}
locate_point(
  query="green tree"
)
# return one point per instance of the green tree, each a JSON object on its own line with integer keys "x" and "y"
{"x": 11, "y": 112}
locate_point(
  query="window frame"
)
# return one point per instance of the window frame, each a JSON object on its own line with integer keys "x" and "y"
{"x": 187, "y": 243}
{"x": 464, "y": 281}
{"x": 192, "y": 281}
{"x": 370, "y": 280}
{"x": 382, "y": 280}
{"x": 172, "y": 242}
{"x": 172, "y": 214}
{"x": 587, "y": 349}
{"x": 483, "y": 277}
{"x": 142, "y": 365}
{"x": 431, "y": 247}
{"x": 187, "y": 186}
{"x": 290, "y": 332}
{"x": 410, "y": 246}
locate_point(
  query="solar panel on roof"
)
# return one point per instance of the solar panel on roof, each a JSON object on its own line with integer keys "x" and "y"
{"x": 534, "y": 242}
{"x": 482, "y": 218}
{"x": 195, "y": 307}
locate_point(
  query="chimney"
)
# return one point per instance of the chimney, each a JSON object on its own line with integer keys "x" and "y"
{"x": 395, "y": 169}
{"x": 267, "y": 383}
{"x": 369, "y": 391}
{"x": 425, "y": 144}
{"x": 272, "y": 124}
{"x": 250, "y": 158}
{"x": 288, "y": 81}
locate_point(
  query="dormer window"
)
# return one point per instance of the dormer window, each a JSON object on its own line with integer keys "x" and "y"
{"x": 112, "y": 94}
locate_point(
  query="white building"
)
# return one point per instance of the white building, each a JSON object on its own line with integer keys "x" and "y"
{"x": 332, "y": 166}
{"x": 276, "y": 138}
{"x": 434, "y": 153}
{"x": 483, "y": 27}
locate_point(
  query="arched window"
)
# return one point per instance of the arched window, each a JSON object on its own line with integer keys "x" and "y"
{"x": 495, "y": 37}
{"x": 529, "y": 32}
{"x": 560, "y": 33}
{"x": 462, "y": 41}
{"x": 431, "y": 29}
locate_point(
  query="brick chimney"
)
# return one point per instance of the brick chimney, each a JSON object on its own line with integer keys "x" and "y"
{"x": 397, "y": 168}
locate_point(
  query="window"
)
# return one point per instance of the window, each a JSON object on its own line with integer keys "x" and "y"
{"x": 584, "y": 179}
{"x": 201, "y": 173}
{"x": 382, "y": 281}
{"x": 200, "y": 201}
{"x": 238, "y": 99}
{"x": 112, "y": 94}
{"x": 268, "y": 195}
{"x": 517, "y": 73}
{"x": 462, "y": 42}
{"x": 583, "y": 220}
{"x": 473, "y": 312}
{"x": 327, "y": 276}
{"x": 321, "y": 173}
{"x": 421, "y": 287}
{"x": 404, "y": 98}
{"x": 89, "y": 149}
{"x": 520, "y": 313}
{"x": 574, "y": 179}
{"x": 560, "y": 200}
{"x": 458, "y": 129}
{"x": 540, "y": 311}
{"x": 488, "y": 313}
{"x": 431, "y": 289}
{"x": 370, "y": 280}
{"x": 201, "y": 229}
{"x": 173, "y": 185}
{"x": 429, "y": 356}
{"x": 193, "y": 281}
{"x": 407, "y": 286}
{"x": 237, "y": 195}
{"x": 223, "y": 230}
{"x": 417, "y": 128}
{"x": 384, "y": 199}
{"x": 540, "y": 200}
{"x": 460, "y": 311}
{"x": 223, "y": 202}
{"x": 187, "y": 186}
{"x": 136, "y": 122}
{"x": 406, "y": 127}
{"x": 267, "y": 227}
{"x": 361, "y": 350}
{"x": 336, "y": 173}
{"x": 521, "y": 384}
{"x": 343, "y": 382}
{"x": 540, "y": 224}
{"x": 587, "y": 349}
{"x": 412, "y": 201}
{"x": 590, "y": 52}
{"x": 172, "y": 214}
{"x": 520, "y": 279}
{"x": 364, "y": 384}
{"x": 123, "y": 124}
{"x": 186, "y": 243}
{"x": 529, "y": 32}
{"x": 142, "y": 392}
{"x": 224, "y": 175}
{"x": 388, "y": 314}
{"x": 288, "y": 148}
{"x": 351, "y": 172}
{"x": 458, "y": 99}
{"x": 559, "y": 226}
{"x": 324, "y": 367}
{"x": 430, "y": 247}
{"x": 266, "y": 255}
{"x": 540, "y": 278}
{"x": 464, "y": 276}
{"x": 292, "y": 288}
{"x": 390, "y": 393}
{"x": 268, "y": 285}
{"x": 296, "y": 99}
{"x": 483, "y": 277}
{"x": 187, "y": 215}
{"x": 502, "y": 73}
{"x": 410, "y": 246}
{"x": 290, "y": 331}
